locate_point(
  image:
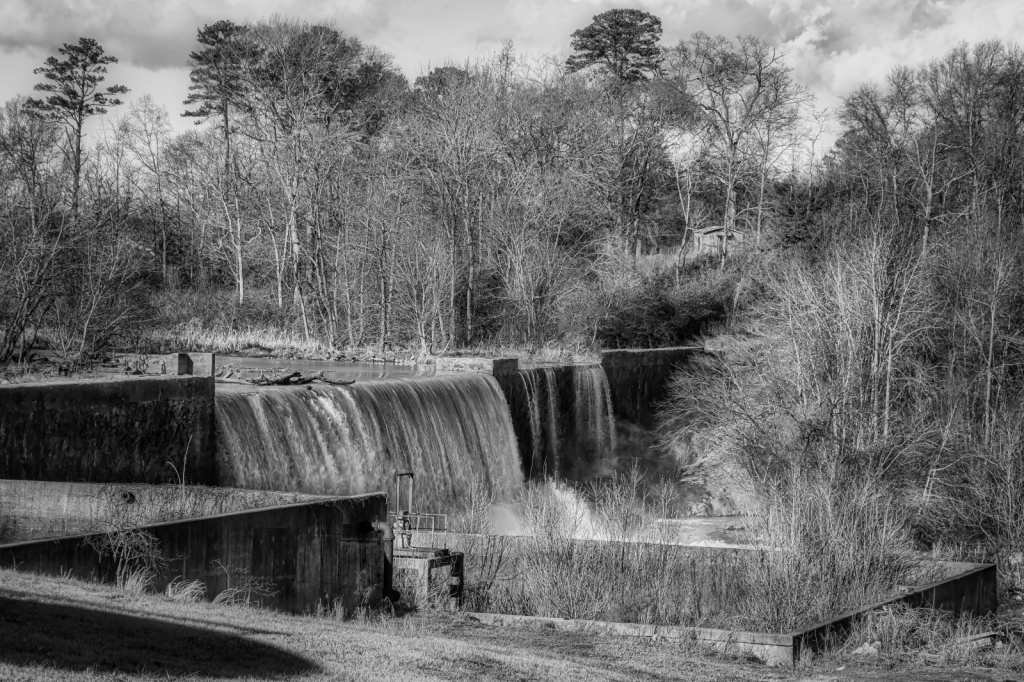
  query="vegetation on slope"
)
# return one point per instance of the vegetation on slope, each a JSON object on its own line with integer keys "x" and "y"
{"x": 877, "y": 379}
{"x": 327, "y": 204}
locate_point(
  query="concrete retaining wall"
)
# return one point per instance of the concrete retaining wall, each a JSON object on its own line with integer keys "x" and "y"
{"x": 775, "y": 650}
{"x": 36, "y": 510}
{"x": 127, "y": 430}
{"x": 971, "y": 590}
{"x": 324, "y": 551}
{"x": 639, "y": 379}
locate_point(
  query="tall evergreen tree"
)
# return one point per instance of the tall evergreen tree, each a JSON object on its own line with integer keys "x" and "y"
{"x": 625, "y": 41}
{"x": 75, "y": 95}
{"x": 216, "y": 76}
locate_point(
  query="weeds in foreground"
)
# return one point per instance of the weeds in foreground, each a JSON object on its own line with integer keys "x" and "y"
{"x": 474, "y": 515}
{"x": 135, "y": 581}
{"x": 900, "y": 633}
{"x": 243, "y": 588}
{"x": 826, "y": 548}
{"x": 136, "y": 556}
{"x": 185, "y": 590}
{"x": 601, "y": 553}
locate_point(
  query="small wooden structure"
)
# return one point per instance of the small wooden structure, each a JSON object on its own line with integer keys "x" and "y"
{"x": 714, "y": 239}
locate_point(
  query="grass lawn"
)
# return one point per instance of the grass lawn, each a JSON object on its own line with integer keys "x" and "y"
{"x": 59, "y": 629}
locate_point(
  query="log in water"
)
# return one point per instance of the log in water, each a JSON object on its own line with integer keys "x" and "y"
{"x": 453, "y": 431}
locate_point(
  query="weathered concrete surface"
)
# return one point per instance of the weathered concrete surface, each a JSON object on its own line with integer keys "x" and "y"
{"x": 639, "y": 379}
{"x": 203, "y": 364}
{"x": 174, "y": 364}
{"x": 767, "y": 647}
{"x": 423, "y": 575}
{"x": 307, "y": 553}
{"x": 503, "y": 366}
{"x": 36, "y": 510}
{"x": 129, "y": 430}
{"x": 972, "y": 589}
{"x": 969, "y": 588}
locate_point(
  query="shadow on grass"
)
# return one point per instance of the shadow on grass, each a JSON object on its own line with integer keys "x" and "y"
{"x": 77, "y": 639}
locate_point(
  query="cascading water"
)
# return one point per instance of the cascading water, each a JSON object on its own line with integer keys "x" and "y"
{"x": 452, "y": 431}
{"x": 563, "y": 419}
{"x": 594, "y": 426}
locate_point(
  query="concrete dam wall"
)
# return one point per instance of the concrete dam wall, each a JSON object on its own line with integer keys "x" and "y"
{"x": 562, "y": 417}
{"x": 640, "y": 379}
{"x": 35, "y": 510}
{"x": 325, "y": 551}
{"x": 144, "y": 430}
{"x": 455, "y": 431}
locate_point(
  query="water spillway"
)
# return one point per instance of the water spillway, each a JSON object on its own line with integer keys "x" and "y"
{"x": 562, "y": 418}
{"x": 453, "y": 431}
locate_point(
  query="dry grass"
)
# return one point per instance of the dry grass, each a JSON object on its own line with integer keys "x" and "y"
{"x": 120, "y": 506}
{"x": 54, "y": 629}
{"x": 551, "y": 353}
{"x": 269, "y": 341}
{"x": 185, "y": 590}
{"x": 902, "y": 634}
{"x": 251, "y": 340}
{"x": 601, "y": 554}
{"x": 827, "y": 548}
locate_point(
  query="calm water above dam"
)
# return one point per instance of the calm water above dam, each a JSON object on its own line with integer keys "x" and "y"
{"x": 251, "y": 367}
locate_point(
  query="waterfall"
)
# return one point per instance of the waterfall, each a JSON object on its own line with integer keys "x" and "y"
{"x": 452, "y": 431}
{"x": 562, "y": 418}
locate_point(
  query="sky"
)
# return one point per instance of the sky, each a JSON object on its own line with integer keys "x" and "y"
{"x": 832, "y": 45}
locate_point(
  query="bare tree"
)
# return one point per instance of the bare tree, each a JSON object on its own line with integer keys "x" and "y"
{"x": 738, "y": 89}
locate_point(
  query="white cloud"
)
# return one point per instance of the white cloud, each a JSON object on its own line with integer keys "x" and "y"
{"x": 832, "y": 45}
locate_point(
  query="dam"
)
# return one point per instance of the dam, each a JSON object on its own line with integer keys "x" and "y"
{"x": 176, "y": 455}
{"x": 454, "y": 431}
{"x": 457, "y": 430}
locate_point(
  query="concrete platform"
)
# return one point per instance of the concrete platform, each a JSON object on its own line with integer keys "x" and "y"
{"x": 424, "y": 574}
{"x": 970, "y": 589}
{"x": 290, "y": 557}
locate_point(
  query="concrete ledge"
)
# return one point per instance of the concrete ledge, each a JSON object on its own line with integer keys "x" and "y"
{"x": 308, "y": 552}
{"x": 71, "y": 394}
{"x": 114, "y": 431}
{"x": 971, "y": 590}
{"x": 172, "y": 364}
{"x": 639, "y": 379}
{"x": 37, "y": 510}
{"x": 773, "y": 649}
{"x": 503, "y": 366}
{"x": 638, "y": 357}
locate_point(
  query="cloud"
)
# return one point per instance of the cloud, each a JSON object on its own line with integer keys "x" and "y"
{"x": 832, "y": 45}
{"x": 159, "y": 33}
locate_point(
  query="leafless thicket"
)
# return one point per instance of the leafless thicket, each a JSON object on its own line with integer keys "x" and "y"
{"x": 327, "y": 203}
{"x": 873, "y": 398}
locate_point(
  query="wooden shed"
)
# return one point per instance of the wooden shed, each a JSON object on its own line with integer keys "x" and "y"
{"x": 714, "y": 239}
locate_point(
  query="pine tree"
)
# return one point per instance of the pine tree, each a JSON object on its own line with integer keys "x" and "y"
{"x": 625, "y": 41}
{"x": 75, "y": 95}
{"x": 216, "y": 77}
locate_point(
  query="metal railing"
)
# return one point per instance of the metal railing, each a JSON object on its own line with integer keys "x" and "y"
{"x": 424, "y": 523}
